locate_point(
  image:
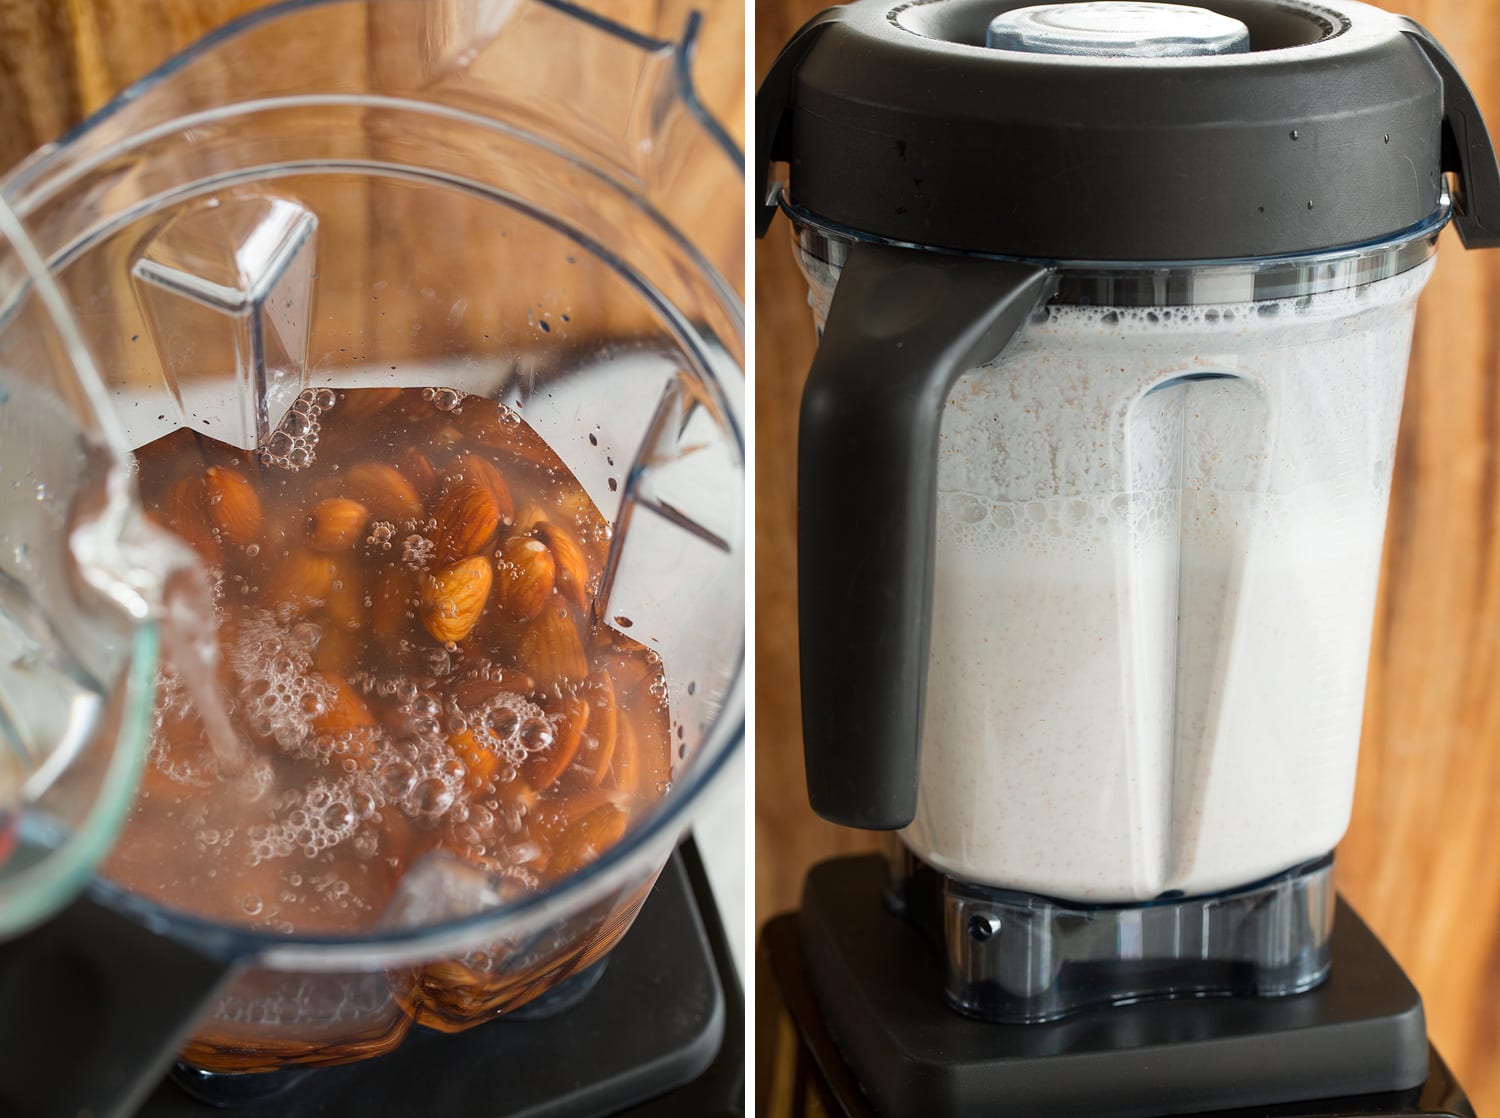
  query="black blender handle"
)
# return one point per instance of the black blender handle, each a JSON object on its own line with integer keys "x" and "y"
{"x": 96, "y": 1008}
{"x": 903, "y": 325}
{"x": 1467, "y": 151}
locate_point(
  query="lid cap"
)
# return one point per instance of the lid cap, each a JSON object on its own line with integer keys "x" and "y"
{"x": 1118, "y": 29}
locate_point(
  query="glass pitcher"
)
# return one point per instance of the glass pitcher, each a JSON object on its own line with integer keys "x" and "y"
{"x": 518, "y": 203}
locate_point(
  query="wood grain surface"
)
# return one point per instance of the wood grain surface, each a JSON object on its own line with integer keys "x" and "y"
{"x": 1422, "y": 857}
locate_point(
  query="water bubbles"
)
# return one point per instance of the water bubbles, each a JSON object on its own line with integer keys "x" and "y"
{"x": 536, "y": 734}
{"x": 446, "y": 399}
{"x": 429, "y": 798}
{"x": 503, "y": 721}
{"x": 252, "y": 905}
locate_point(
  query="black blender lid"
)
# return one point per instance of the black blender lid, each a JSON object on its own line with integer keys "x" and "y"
{"x": 1335, "y": 127}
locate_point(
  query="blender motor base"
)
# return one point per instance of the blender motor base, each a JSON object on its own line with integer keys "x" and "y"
{"x": 878, "y": 983}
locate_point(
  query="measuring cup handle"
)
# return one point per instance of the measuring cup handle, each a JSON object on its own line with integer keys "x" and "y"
{"x": 902, "y": 326}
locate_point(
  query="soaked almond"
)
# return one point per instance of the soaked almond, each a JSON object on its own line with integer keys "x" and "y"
{"x": 381, "y": 488}
{"x": 545, "y": 766}
{"x": 184, "y": 511}
{"x": 550, "y": 648}
{"x": 468, "y": 518}
{"x": 479, "y": 470}
{"x": 528, "y": 516}
{"x": 233, "y": 505}
{"x": 604, "y": 725}
{"x": 415, "y": 466}
{"x": 304, "y": 578}
{"x": 525, "y": 575}
{"x": 337, "y": 524}
{"x": 572, "y": 564}
{"x": 454, "y": 597}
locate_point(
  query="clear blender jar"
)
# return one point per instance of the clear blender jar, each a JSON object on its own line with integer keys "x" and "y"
{"x": 522, "y": 204}
{"x": 1094, "y": 459}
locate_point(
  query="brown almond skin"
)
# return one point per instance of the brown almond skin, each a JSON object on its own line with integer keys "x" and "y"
{"x": 481, "y": 471}
{"x": 383, "y": 490}
{"x": 337, "y": 524}
{"x": 452, "y": 599}
{"x": 345, "y": 605}
{"x": 415, "y": 466}
{"x": 604, "y": 725}
{"x": 524, "y": 576}
{"x": 572, "y": 564}
{"x": 233, "y": 505}
{"x": 550, "y": 650}
{"x": 184, "y": 511}
{"x": 567, "y": 736}
{"x": 468, "y": 519}
{"x": 393, "y": 603}
{"x": 305, "y": 577}
{"x": 527, "y": 517}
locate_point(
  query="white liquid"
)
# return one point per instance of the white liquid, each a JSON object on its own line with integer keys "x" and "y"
{"x": 1154, "y": 597}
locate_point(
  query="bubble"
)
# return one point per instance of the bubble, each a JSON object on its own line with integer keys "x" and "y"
{"x": 430, "y": 798}
{"x": 536, "y": 734}
{"x": 447, "y": 400}
{"x": 503, "y": 722}
{"x": 252, "y": 904}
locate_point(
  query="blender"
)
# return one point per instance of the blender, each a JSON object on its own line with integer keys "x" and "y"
{"x": 520, "y": 204}
{"x": 1114, "y": 304}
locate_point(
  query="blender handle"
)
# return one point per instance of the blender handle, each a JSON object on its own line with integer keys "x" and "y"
{"x": 1467, "y": 150}
{"x": 902, "y": 327}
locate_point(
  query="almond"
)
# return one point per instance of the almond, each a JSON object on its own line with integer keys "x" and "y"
{"x": 604, "y": 725}
{"x": 545, "y": 766}
{"x": 477, "y": 690}
{"x": 526, "y": 572}
{"x": 481, "y": 471}
{"x": 590, "y": 837}
{"x": 528, "y": 516}
{"x": 393, "y": 604}
{"x": 336, "y": 524}
{"x": 233, "y": 504}
{"x": 452, "y": 600}
{"x": 337, "y": 652}
{"x": 184, "y": 511}
{"x": 626, "y": 763}
{"x": 468, "y": 519}
{"x": 415, "y": 466}
{"x": 480, "y": 762}
{"x": 345, "y": 604}
{"x": 572, "y": 564}
{"x": 383, "y": 490}
{"x": 550, "y": 649}
{"x": 347, "y": 711}
{"x": 305, "y": 578}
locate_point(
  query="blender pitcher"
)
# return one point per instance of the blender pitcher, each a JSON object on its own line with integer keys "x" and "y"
{"x": 518, "y": 207}
{"x": 1115, "y": 302}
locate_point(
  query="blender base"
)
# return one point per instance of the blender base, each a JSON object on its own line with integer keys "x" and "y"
{"x": 872, "y": 984}
{"x": 660, "y": 1034}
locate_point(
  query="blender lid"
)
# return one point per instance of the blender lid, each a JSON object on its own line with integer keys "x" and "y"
{"x": 1121, "y": 131}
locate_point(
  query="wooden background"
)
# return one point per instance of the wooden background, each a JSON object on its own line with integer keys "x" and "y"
{"x": 1422, "y": 858}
